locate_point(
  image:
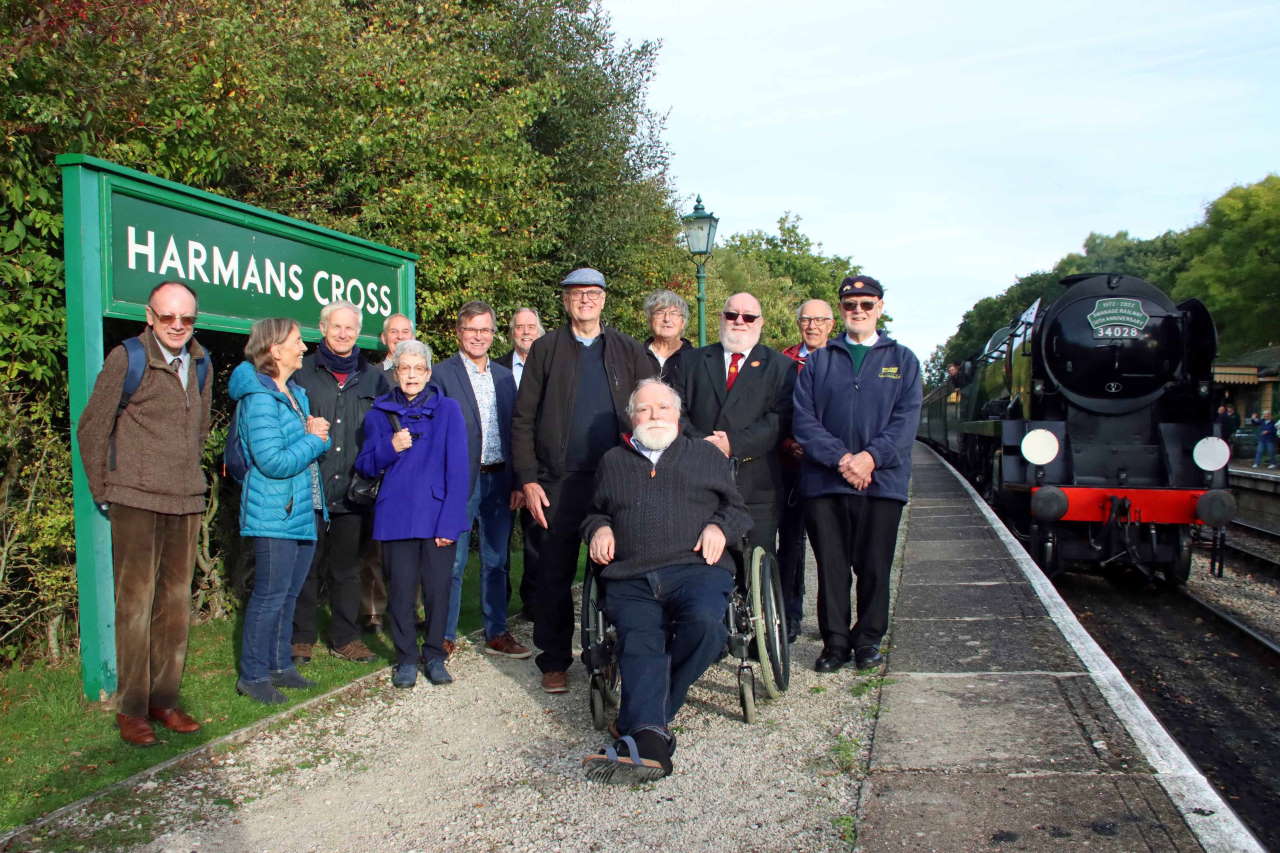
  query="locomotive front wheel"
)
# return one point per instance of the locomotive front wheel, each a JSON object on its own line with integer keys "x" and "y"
{"x": 1178, "y": 572}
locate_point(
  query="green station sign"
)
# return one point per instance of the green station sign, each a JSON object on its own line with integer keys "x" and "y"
{"x": 125, "y": 232}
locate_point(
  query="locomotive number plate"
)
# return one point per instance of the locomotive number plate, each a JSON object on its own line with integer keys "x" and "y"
{"x": 1116, "y": 332}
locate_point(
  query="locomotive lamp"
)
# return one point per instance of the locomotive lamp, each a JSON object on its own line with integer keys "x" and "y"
{"x": 1039, "y": 447}
{"x": 700, "y": 236}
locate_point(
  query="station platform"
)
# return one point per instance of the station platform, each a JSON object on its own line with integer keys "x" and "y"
{"x": 1002, "y": 724}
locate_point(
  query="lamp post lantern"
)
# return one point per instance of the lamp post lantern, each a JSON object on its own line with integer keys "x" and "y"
{"x": 700, "y": 235}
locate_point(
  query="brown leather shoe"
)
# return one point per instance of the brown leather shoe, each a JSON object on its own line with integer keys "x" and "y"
{"x": 355, "y": 651}
{"x": 506, "y": 646}
{"x": 301, "y": 653}
{"x": 135, "y": 730}
{"x": 174, "y": 719}
{"x": 555, "y": 682}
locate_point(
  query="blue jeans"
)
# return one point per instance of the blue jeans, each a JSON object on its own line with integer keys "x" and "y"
{"x": 280, "y": 568}
{"x": 671, "y": 627}
{"x": 1266, "y": 448}
{"x": 490, "y": 501}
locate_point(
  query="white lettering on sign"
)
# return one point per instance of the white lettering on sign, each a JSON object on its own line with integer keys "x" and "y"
{"x": 172, "y": 259}
{"x": 197, "y": 254}
{"x": 207, "y": 263}
{"x": 135, "y": 248}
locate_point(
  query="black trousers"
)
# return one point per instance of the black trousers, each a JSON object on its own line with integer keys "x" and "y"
{"x": 337, "y": 564}
{"x": 554, "y": 553}
{"x": 853, "y": 534}
{"x": 791, "y": 553}
{"x": 413, "y": 565}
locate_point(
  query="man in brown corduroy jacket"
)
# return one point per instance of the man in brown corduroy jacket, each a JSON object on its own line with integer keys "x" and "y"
{"x": 153, "y": 488}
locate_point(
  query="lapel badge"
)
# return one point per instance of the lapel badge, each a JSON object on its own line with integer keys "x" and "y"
{"x": 755, "y": 364}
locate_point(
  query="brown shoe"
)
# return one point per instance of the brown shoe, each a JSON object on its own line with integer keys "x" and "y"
{"x": 174, "y": 719}
{"x": 135, "y": 730}
{"x": 449, "y": 648}
{"x": 555, "y": 682}
{"x": 355, "y": 651}
{"x": 301, "y": 653}
{"x": 506, "y": 646}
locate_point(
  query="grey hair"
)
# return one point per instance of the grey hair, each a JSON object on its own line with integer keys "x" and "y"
{"x": 531, "y": 310}
{"x": 800, "y": 308}
{"x": 411, "y": 347}
{"x": 660, "y": 300}
{"x": 386, "y": 324}
{"x": 337, "y": 305}
{"x": 645, "y": 383}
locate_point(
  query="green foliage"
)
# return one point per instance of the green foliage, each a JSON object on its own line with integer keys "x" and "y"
{"x": 505, "y": 142}
{"x": 1235, "y": 265}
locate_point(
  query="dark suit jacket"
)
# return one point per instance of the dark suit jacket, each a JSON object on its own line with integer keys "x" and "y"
{"x": 756, "y": 414}
{"x": 505, "y": 360}
{"x": 450, "y": 376}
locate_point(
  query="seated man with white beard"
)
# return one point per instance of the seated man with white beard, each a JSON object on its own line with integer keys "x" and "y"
{"x": 664, "y": 507}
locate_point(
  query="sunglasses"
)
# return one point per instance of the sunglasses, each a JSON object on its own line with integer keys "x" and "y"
{"x": 732, "y": 316}
{"x": 867, "y": 305}
{"x": 187, "y": 320}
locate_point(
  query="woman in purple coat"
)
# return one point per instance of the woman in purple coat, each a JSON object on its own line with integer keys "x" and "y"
{"x": 421, "y": 508}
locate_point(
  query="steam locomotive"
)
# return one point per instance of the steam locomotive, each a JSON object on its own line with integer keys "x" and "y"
{"x": 1089, "y": 425}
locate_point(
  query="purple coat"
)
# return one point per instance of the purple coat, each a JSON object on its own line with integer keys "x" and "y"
{"x": 424, "y": 489}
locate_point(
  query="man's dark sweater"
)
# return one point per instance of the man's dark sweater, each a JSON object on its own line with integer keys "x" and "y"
{"x": 658, "y": 512}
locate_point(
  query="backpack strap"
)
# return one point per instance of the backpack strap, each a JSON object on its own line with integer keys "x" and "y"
{"x": 137, "y": 356}
{"x": 204, "y": 366}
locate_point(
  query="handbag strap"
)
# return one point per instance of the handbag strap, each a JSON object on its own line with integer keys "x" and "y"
{"x": 395, "y": 421}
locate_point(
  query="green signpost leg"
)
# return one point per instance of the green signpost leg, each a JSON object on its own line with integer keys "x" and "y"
{"x": 83, "y": 230}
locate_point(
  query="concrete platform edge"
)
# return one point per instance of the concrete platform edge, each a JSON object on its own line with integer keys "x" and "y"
{"x": 1209, "y": 817}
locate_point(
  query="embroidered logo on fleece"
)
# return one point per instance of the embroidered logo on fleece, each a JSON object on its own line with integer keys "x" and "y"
{"x": 890, "y": 373}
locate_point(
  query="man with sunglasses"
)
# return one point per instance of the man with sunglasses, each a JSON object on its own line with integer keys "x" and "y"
{"x": 143, "y": 466}
{"x": 737, "y": 393}
{"x": 857, "y": 404}
{"x": 571, "y": 409}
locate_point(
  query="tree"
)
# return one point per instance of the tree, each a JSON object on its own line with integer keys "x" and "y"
{"x": 1234, "y": 265}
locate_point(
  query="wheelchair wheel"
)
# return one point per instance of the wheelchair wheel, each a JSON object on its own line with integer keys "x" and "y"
{"x": 769, "y": 624}
{"x": 747, "y": 694}
{"x": 599, "y": 708}
{"x": 598, "y": 645}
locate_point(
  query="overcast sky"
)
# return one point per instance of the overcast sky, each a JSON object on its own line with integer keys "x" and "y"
{"x": 949, "y": 147}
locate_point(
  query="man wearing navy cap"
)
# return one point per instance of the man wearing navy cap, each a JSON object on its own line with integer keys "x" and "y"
{"x": 572, "y": 407}
{"x": 857, "y": 405}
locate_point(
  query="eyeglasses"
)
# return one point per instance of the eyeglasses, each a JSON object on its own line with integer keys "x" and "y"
{"x": 670, "y": 314}
{"x": 732, "y": 316}
{"x": 813, "y": 321}
{"x": 413, "y": 369}
{"x": 583, "y": 294}
{"x": 867, "y": 305}
{"x": 476, "y": 330}
{"x": 187, "y": 320}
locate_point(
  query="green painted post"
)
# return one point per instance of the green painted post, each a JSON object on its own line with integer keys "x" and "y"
{"x": 83, "y": 228}
{"x": 702, "y": 305}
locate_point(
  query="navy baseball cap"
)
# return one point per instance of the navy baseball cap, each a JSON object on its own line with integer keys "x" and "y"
{"x": 859, "y": 285}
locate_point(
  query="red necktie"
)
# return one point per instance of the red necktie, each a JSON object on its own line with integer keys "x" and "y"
{"x": 733, "y": 371}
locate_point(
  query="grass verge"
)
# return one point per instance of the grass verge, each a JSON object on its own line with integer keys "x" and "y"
{"x": 56, "y": 747}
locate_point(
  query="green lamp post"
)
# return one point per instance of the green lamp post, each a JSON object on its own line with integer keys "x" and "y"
{"x": 700, "y": 235}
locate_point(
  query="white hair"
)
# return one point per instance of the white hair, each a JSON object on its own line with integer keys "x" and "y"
{"x": 417, "y": 348}
{"x": 337, "y": 305}
{"x": 645, "y": 383}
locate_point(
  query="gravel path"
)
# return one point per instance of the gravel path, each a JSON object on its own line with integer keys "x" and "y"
{"x": 491, "y": 762}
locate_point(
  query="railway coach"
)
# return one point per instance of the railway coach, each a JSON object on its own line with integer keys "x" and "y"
{"x": 1088, "y": 424}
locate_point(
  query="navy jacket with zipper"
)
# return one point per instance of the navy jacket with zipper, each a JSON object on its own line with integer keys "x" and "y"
{"x": 876, "y": 410}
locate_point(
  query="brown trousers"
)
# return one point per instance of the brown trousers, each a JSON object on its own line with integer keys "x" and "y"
{"x": 154, "y": 556}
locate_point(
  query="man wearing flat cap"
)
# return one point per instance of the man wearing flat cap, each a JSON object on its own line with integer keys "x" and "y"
{"x": 857, "y": 405}
{"x": 571, "y": 408}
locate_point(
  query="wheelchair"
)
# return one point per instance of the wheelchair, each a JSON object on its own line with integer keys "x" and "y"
{"x": 756, "y": 623}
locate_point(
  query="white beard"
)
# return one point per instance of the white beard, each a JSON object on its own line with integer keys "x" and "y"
{"x": 735, "y": 341}
{"x": 657, "y": 435}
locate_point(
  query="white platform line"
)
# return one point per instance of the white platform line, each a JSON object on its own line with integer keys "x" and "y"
{"x": 1220, "y": 828}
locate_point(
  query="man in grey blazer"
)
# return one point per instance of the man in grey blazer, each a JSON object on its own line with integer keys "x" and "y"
{"x": 486, "y": 392}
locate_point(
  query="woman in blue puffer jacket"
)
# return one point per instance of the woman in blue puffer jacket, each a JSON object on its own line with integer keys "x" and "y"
{"x": 422, "y": 505}
{"x": 282, "y": 501}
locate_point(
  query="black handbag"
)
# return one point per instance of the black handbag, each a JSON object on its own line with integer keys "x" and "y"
{"x": 363, "y": 491}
